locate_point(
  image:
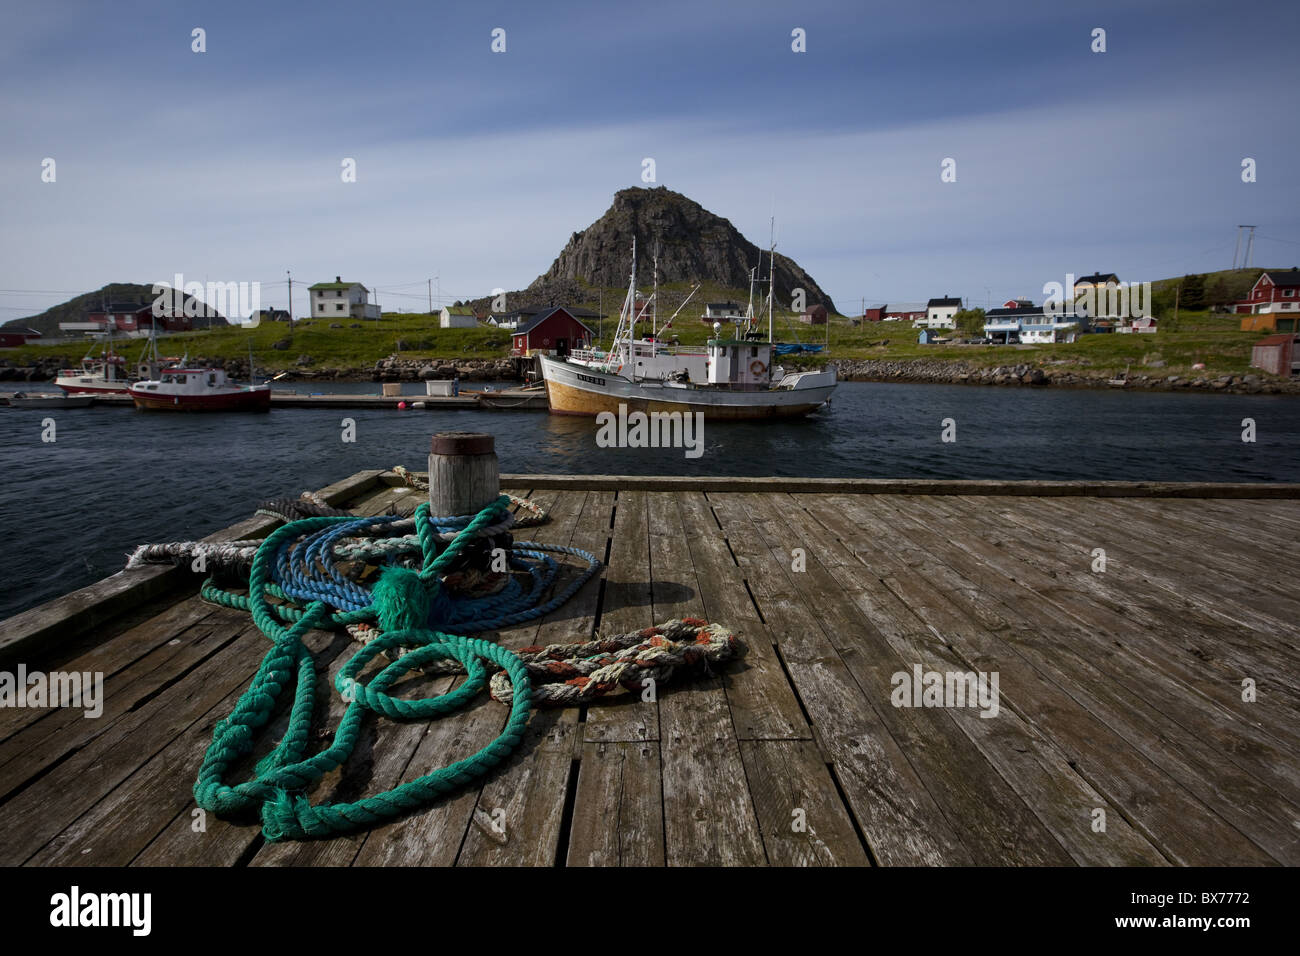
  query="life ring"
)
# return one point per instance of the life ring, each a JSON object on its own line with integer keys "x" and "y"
{"x": 757, "y": 367}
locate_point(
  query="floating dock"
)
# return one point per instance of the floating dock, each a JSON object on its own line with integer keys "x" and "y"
{"x": 513, "y": 399}
{"x": 1148, "y": 712}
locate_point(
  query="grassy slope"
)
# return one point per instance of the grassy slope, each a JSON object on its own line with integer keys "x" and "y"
{"x": 1198, "y": 337}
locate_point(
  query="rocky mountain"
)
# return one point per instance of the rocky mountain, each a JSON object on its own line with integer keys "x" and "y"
{"x": 694, "y": 245}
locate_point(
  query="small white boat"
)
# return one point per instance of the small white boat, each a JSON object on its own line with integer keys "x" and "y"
{"x": 21, "y": 400}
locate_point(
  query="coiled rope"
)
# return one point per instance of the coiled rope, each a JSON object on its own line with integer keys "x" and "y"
{"x": 410, "y": 608}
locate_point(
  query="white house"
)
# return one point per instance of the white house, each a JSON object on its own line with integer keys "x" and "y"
{"x": 1022, "y": 321}
{"x": 457, "y": 318}
{"x": 339, "y": 299}
{"x": 939, "y": 314}
{"x": 507, "y": 320}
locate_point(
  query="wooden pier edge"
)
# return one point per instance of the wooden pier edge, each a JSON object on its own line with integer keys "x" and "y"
{"x": 904, "y": 486}
{"x": 75, "y": 613}
{"x": 71, "y": 615}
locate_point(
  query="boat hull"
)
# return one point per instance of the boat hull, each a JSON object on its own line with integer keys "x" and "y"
{"x": 575, "y": 390}
{"x": 52, "y": 401}
{"x": 244, "y": 400}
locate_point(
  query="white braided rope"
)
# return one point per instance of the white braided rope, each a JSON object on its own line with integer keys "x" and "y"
{"x": 567, "y": 675}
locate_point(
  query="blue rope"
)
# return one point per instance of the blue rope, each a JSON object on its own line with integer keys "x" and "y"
{"x": 305, "y": 570}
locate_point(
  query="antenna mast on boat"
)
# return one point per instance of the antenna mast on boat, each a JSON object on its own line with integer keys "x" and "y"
{"x": 654, "y": 298}
{"x": 771, "y": 279}
{"x": 749, "y": 310}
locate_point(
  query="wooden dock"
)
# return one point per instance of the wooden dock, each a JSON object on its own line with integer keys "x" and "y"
{"x": 507, "y": 399}
{"x": 1121, "y": 692}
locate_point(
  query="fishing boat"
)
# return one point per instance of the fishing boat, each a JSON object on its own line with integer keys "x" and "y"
{"x": 732, "y": 376}
{"x": 102, "y": 374}
{"x": 199, "y": 390}
{"x": 106, "y": 373}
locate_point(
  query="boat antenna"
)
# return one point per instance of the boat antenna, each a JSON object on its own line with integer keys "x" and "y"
{"x": 771, "y": 279}
{"x": 749, "y": 310}
{"x": 654, "y": 298}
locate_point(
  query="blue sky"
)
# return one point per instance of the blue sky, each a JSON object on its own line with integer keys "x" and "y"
{"x": 476, "y": 167}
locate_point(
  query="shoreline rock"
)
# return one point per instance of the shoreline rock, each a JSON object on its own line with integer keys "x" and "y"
{"x": 932, "y": 372}
{"x": 399, "y": 368}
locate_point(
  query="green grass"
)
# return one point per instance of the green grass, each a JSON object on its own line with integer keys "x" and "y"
{"x": 1213, "y": 339}
{"x": 419, "y": 335}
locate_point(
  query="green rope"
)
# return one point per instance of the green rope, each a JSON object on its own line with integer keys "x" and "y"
{"x": 402, "y": 601}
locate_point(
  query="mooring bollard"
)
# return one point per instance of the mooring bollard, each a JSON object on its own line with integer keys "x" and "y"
{"x": 463, "y": 474}
{"x": 463, "y": 480}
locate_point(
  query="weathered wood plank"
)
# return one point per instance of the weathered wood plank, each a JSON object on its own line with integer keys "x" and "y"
{"x": 618, "y": 817}
{"x": 1184, "y": 827}
{"x": 906, "y": 486}
{"x": 709, "y": 817}
{"x": 626, "y": 607}
{"x": 763, "y": 702}
{"x": 995, "y": 822}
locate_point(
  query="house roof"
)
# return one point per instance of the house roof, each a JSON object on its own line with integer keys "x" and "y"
{"x": 1277, "y": 339}
{"x": 458, "y": 310}
{"x": 120, "y": 307}
{"x": 1287, "y": 279}
{"x": 543, "y": 316}
{"x": 722, "y": 305}
{"x": 905, "y": 307}
{"x": 1095, "y": 278}
{"x": 335, "y": 286}
{"x": 1014, "y": 312}
{"x": 943, "y": 302}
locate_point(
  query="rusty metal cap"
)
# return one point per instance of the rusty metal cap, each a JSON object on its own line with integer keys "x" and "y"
{"x": 462, "y": 443}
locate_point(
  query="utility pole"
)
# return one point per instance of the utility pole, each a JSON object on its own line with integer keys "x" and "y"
{"x": 289, "y": 273}
{"x": 431, "y": 297}
{"x": 1250, "y": 246}
{"x": 1236, "y": 249}
{"x": 1177, "y": 293}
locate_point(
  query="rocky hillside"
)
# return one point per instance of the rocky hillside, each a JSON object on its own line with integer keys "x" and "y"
{"x": 75, "y": 309}
{"x": 694, "y": 245}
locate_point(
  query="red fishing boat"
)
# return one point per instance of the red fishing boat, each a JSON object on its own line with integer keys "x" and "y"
{"x": 199, "y": 390}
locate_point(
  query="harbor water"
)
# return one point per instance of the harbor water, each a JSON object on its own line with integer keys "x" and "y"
{"x": 114, "y": 478}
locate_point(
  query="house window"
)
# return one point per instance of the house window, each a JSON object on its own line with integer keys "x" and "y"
{"x": 320, "y": 293}
{"x": 338, "y": 307}
{"x": 1289, "y": 292}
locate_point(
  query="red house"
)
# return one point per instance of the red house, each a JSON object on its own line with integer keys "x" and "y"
{"x": 139, "y": 318}
{"x": 1273, "y": 293}
{"x": 814, "y": 315}
{"x": 13, "y": 338}
{"x": 554, "y": 331}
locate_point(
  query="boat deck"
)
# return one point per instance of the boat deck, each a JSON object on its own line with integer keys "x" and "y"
{"x": 1121, "y": 693}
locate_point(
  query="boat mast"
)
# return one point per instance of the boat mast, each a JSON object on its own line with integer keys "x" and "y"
{"x": 654, "y": 299}
{"x": 749, "y": 310}
{"x": 771, "y": 279}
